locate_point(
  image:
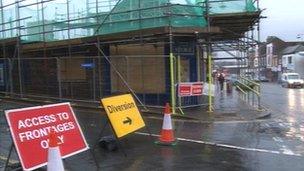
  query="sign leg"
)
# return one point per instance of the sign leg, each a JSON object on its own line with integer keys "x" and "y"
{"x": 92, "y": 151}
{"x": 122, "y": 148}
{"x": 8, "y": 157}
{"x": 117, "y": 139}
{"x": 95, "y": 159}
{"x": 101, "y": 132}
{"x": 149, "y": 131}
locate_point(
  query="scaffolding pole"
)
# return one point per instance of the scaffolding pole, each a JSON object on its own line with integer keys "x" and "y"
{"x": 171, "y": 61}
{"x": 210, "y": 107}
{"x": 259, "y": 42}
{"x": 18, "y": 49}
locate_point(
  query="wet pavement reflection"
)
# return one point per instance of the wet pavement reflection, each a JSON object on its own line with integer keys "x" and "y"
{"x": 287, "y": 105}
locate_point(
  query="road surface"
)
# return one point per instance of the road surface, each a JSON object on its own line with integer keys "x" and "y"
{"x": 270, "y": 144}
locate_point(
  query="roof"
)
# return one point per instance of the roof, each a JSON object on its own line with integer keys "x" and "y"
{"x": 273, "y": 38}
{"x": 292, "y": 49}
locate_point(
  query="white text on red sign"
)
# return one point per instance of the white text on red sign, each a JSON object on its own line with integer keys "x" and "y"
{"x": 190, "y": 89}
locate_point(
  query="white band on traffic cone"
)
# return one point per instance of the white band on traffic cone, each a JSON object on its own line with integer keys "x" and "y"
{"x": 54, "y": 160}
{"x": 167, "y": 125}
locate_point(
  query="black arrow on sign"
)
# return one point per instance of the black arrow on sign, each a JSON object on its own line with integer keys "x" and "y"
{"x": 128, "y": 120}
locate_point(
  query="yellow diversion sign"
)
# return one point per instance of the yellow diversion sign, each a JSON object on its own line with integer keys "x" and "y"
{"x": 123, "y": 114}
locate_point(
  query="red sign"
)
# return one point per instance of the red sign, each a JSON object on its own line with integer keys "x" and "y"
{"x": 184, "y": 89}
{"x": 190, "y": 89}
{"x": 30, "y": 128}
{"x": 197, "y": 89}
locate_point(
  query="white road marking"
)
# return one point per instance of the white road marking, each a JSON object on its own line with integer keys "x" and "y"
{"x": 287, "y": 151}
{"x": 277, "y": 139}
{"x": 227, "y": 146}
{"x": 234, "y": 122}
{"x": 267, "y": 125}
{"x": 300, "y": 137}
{"x": 209, "y": 122}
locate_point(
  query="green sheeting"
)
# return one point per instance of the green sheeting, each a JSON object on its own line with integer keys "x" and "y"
{"x": 136, "y": 15}
{"x": 85, "y": 17}
{"x": 230, "y": 6}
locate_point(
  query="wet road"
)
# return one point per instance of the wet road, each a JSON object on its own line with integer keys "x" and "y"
{"x": 287, "y": 103}
{"x": 272, "y": 144}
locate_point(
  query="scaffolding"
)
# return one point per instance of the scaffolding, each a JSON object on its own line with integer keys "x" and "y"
{"x": 53, "y": 33}
{"x": 51, "y": 20}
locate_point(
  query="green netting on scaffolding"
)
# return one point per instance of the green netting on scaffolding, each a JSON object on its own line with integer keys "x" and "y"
{"x": 8, "y": 27}
{"x": 229, "y": 6}
{"x": 137, "y": 14}
{"x": 68, "y": 19}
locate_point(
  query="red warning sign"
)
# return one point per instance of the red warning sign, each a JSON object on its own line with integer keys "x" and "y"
{"x": 30, "y": 128}
{"x": 190, "y": 89}
{"x": 184, "y": 89}
{"x": 197, "y": 89}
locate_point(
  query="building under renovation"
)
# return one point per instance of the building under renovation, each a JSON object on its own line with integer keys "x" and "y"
{"x": 83, "y": 50}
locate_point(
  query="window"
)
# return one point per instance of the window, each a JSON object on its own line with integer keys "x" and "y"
{"x": 268, "y": 51}
{"x": 293, "y": 77}
{"x": 289, "y": 59}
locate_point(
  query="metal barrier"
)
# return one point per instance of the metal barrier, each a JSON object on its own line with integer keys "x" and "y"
{"x": 89, "y": 78}
{"x": 249, "y": 91}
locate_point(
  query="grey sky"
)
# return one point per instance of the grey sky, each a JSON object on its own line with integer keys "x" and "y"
{"x": 285, "y": 19}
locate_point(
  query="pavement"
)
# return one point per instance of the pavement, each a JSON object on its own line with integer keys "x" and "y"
{"x": 226, "y": 107}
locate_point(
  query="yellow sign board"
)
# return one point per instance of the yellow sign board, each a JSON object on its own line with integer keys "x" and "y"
{"x": 123, "y": 114}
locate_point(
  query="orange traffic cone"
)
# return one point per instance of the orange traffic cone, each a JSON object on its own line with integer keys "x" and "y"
{"x": 167, "y": 135}
{"x": 54, "y": 157}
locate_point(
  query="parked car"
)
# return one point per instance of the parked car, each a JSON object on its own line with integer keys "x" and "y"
{"x": 263, "y": 79}
{"x": 292, "y": 80}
